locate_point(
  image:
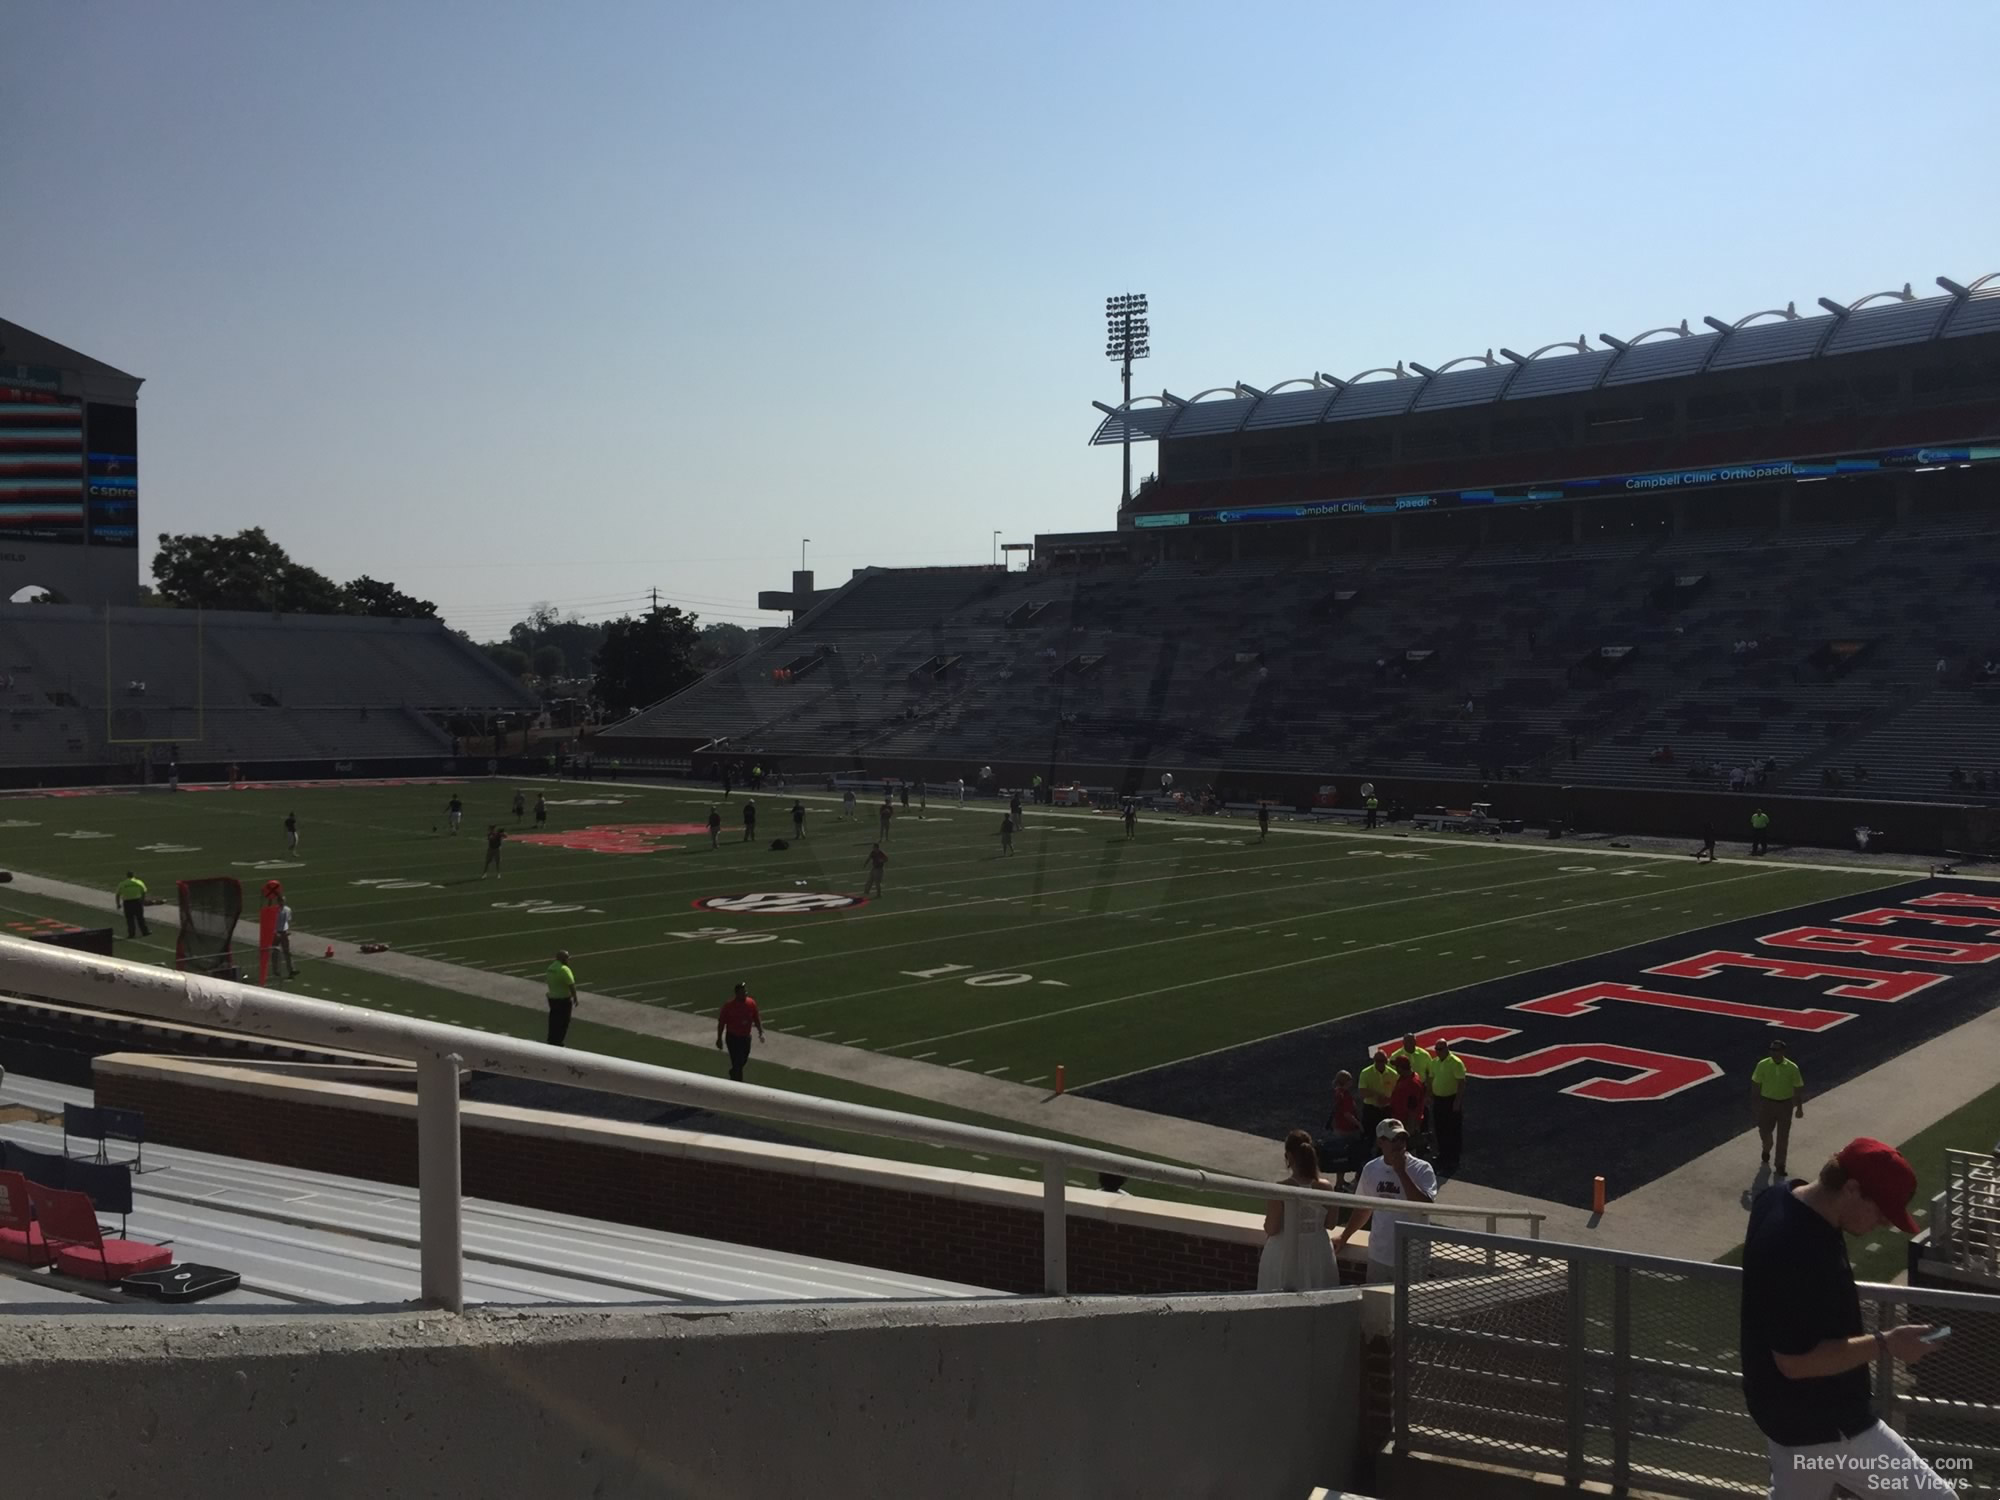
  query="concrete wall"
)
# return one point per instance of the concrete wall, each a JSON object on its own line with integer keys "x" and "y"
{"x": 1196, "y": 1397}
{"x": 974, "y": 1227}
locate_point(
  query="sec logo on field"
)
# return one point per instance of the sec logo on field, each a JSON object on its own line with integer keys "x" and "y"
{"x": 778, "y": 903}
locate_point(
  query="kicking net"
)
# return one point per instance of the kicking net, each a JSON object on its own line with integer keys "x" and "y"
{"x": 210, "y": 909}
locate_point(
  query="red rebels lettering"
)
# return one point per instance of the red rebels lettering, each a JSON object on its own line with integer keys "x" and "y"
{"x": 1882, "y": 916}
{"x": 1929, "y": 950}
{"x": 1957, "y": 898}
{"x": 1659, "y": 1074}
{"x": 1866, "y": 984}
{"x": 1584, "y": 999}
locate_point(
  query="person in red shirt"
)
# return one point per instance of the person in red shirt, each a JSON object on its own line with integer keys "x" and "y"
{"x": 1406, "y": 1099}
{"x": 739, "y": 1017}
{"x": 877, "y": 858}
{"x": 1343, "y": 1124}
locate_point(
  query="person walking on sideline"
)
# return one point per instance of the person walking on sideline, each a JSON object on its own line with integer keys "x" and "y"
{"x": 1006, "y": 833}
{"x": 877, "y": 859}
{"x": 292, "y": 832}
{"x": 1014, "y": 810}
{"x": 749, "y": 820}
{"x": 1707, "y": 849}
{"x": 847, "y": 805}
{"x": 1760, "y": 831}
{"x": 1394, "y": 1176}
{"x": 281, "y": 941}
{"x": 562, "y": 997}
{"x": 541, "y": 809}
{"x": 520, "y": 805}
{"x": 1263, "y": 821}
{"x": 1131, "y": 816}
{"x": 1779, "y": 1092}
{"x": 884, "y": 815}
{"x": 495, "y": 837}
{"x": 132, "y": 898}
{"x": 735, "y": 1023}
{"x": 714, "y": 828}
{"x": 1448, "y": 1106}
{"x": 798, "y": 819}
{"x": 1805, "y": 1351}
{"x": 454, "y": 813}
{"x": 961, "y": 791}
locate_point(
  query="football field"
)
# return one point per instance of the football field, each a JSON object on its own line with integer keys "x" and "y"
{"x": 1083, "y": 948}
{"x": 1192, "y": 970}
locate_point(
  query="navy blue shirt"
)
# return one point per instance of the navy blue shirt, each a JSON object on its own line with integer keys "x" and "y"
{"x": 1798, "y": 1292}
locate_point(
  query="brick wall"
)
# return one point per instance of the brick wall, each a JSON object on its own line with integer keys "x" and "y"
{"x": 743, "y": 1195}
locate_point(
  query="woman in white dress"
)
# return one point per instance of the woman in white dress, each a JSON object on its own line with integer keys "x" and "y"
{"x": 1316, "y": 1266}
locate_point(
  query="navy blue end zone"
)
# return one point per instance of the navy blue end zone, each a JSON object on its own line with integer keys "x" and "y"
{"x": 1667, "y": 1057}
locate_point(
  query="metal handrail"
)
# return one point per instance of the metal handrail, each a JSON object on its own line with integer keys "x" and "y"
{"x": 1601, "y": 1380}
{"x": 442, "y": 1052}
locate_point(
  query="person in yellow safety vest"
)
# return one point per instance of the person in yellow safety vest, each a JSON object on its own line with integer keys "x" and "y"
{"x": 132, "y": 897}
{"x": 1422, "y": 1063}
{"x": 1760, "y": 831}
{"x": 1448, "y": 1106}
{"x": 1372, "y": 805}
{"x": 1376, "y": 1083}
{"x": 1779, "y": 1090}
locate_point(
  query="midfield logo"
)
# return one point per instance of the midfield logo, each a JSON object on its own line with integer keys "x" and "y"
{"x": 779, "y": 903}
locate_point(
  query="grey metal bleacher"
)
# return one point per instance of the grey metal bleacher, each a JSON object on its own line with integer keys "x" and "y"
{"x": 302, "y": 1237}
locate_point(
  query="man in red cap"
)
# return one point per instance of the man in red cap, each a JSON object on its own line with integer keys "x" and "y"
{"x": 1806, "y": 1353}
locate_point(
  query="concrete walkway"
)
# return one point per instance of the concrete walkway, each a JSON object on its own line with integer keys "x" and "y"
{"x": 1696, "y": 1211}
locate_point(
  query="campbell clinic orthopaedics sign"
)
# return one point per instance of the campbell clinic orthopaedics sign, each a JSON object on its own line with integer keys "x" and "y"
{"x": 1664, "y": 480}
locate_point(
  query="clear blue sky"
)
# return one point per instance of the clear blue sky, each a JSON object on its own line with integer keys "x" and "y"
{"x": 510, "y": 302}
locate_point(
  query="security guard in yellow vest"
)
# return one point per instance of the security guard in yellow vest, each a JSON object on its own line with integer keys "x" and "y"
{"x": 1371, "y": 805}
{"x": 1779, "y": 1091}
{"x": 1376, "y": 1083}
{"x": 132, "y": 898}
{"x": 1760, "y": 831}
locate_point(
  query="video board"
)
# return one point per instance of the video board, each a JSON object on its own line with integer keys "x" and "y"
{"x": 112, "y": 475}
{"x": 41, "y": 467}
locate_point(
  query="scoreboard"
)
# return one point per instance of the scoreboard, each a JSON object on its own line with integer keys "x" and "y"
{"x": 68, "y": 471}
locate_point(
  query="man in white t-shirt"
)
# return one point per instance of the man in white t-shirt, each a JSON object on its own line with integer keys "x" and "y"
{"x": 284, "y": 940}
{"x": 1394, "y": 1175}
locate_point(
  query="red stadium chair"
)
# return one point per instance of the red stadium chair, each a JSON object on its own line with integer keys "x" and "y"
{"x": 79, "y": 1248}
{"x": 20, "y": 1235}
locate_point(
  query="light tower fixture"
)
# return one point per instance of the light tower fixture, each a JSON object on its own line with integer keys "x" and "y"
{"x": 1126, "y": 338}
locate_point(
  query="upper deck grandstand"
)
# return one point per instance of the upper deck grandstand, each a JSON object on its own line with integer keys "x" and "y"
{"x": 1651, "y": 563}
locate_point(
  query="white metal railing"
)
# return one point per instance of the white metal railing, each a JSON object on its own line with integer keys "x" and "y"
{"x": 441, "y": 1053}
{"x": 1965, "y": 1217}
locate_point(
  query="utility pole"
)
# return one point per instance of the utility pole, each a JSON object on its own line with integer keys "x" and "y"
{"x": 656, "y": 601}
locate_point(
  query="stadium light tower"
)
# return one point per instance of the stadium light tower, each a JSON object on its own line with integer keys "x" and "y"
{"x": 1125, "y": 336}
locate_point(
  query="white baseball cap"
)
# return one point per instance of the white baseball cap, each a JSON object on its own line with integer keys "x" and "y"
{"x": 1389, "y": 1128}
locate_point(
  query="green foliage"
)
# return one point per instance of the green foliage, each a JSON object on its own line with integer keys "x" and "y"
{"x": 249, "y": 571}
{"x": 575, "y": 638}
{"x": 721, "y": 643}
{"x": 644, "y": 659}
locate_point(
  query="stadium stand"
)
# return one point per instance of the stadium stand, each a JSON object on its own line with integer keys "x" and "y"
{"x": 81, "y": 685}
{"x": 1443, "y": 602}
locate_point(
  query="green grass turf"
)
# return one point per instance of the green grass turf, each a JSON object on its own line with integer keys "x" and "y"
{"x": 23, "y": 914}
{"x": 1083, "y": 949}
{"x": 1973, "y": 1126}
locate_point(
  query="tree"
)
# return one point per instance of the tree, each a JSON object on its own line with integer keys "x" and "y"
{"x": 575, "y": 638}
{"x": 511, "y": 659}
{"x": 548, "y": 661}
{"x": 721, "y": 643}
{"x": 384, "y": 601}
{"x": 644, "y": 659}
{"x": 249, "y": 571}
